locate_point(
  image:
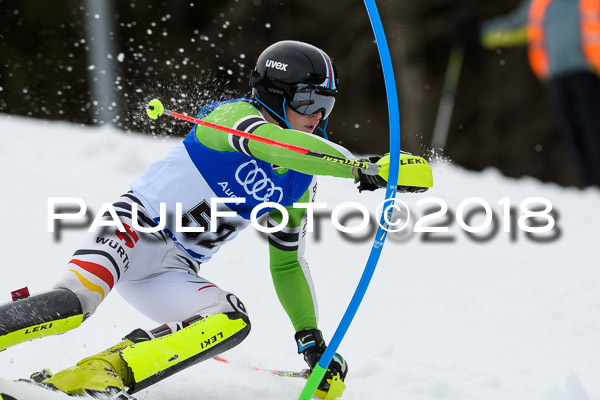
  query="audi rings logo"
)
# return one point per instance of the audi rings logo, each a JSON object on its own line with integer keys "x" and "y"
{"x": 256, "y": 183}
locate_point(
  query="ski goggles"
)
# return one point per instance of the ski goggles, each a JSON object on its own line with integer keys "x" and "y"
{"x": 309, "y": 99}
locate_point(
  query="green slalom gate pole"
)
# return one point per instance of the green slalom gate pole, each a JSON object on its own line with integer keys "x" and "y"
{"x": 394, "y": 121}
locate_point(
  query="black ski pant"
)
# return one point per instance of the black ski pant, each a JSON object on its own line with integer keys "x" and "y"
{"x": 576, "y": 102}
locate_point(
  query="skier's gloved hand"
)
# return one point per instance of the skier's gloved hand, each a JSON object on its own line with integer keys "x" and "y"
{"x": 414, "y": 174}
{"x": 369, "y": 182}
{"x": 312, "y": 346}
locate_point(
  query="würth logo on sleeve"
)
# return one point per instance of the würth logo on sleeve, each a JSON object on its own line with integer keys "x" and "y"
{"x": 277, "y": 65}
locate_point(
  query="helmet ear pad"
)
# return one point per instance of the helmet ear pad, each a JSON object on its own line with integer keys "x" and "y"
{"x": 274, "y": 101}
{"x": 273, "y": 94}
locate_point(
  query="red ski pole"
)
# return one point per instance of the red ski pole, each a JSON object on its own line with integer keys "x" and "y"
{"x": 156, "y": 109}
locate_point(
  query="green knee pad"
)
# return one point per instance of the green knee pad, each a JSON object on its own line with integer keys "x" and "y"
{"x": 153, "y": 360}
{"x": 139, "y": 361}
{"x": 48, "y": 313}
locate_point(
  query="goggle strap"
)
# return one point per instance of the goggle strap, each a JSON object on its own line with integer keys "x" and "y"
{"x": 278, "y": 116}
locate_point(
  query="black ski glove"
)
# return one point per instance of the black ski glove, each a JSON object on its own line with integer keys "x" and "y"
{"x": 369, "y": 182}
{"x": 312, "y": 346}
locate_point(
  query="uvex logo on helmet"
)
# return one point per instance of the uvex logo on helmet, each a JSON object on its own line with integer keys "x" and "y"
{"x": 276, "y": 64}
{"x": 272, "y": 90}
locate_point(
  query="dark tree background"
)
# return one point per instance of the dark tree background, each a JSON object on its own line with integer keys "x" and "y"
{"x": 188, "y": 53}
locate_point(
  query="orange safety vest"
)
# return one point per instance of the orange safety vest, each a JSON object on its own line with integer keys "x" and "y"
{"x": 589, "y": 13}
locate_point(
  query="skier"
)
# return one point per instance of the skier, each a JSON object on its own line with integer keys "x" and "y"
{"x": 294, "y": 85}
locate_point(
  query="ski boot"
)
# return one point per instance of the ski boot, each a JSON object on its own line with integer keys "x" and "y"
{"x": 105, "y": 372}
{"x": 311, "y": 344}
{"x": 144, "y": 358}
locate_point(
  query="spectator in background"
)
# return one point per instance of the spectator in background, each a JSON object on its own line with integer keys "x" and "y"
{"x": 563, "y": 39}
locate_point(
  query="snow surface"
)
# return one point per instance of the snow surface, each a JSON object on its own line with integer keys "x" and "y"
{"x": 25, "y": 390}
{"x": 465, "y": 320}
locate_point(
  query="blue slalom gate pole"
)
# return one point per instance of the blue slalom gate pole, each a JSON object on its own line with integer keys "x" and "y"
{"x": 394, "y": 123}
